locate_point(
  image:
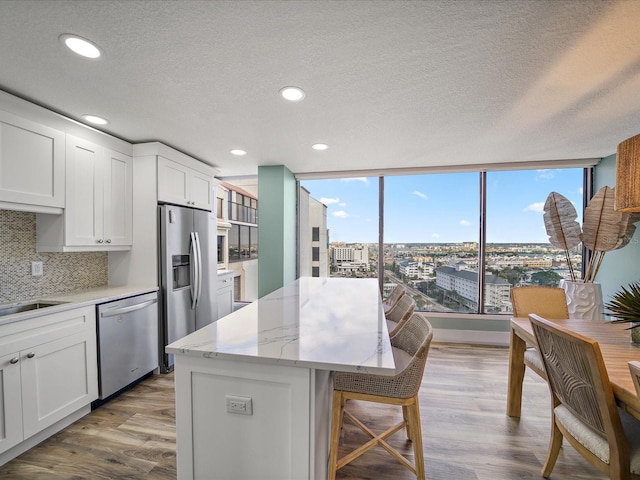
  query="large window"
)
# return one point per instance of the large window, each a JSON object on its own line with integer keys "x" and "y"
{"x": 518, "y": 251}
{"x": 459, "y": 242}
{"x": 352, "y": 207}
{"x": 243, "y": 242}
{"x": 243, "y": 208}
{"x": 431, "y": 239}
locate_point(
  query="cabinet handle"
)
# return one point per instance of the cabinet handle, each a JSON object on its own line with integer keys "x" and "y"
{"x": 31, "y": 355}
{"x": 108, "y": 240}
{"x": 14, "y": 360}
{"x": 99, "y": 241}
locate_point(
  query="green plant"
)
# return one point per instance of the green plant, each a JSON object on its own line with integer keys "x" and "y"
{"x": 625, "y": 305}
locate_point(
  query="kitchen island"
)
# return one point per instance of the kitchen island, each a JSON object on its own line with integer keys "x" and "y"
{"x": 253, "y": 390}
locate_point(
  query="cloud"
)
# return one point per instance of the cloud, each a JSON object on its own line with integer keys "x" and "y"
{"x": 535, "y": 207}
{"x": 419, "y": 194}
{"x": 435, "y": 235}
{"x": 340, "y": 214}
{"x": 329, "y": 201}
{"x": 342, "y": 204}
{"x": 545, "y": 174}
{"x": 364, "y": 180}
{"x": 465, "y": 223}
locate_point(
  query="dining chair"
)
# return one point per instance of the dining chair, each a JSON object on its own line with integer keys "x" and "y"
{"x": 548, "y": 302}
{"x": 634, "y": 367}
{"x": 395, "y": 295}
{"x": 399, "y": 314}
{"x": 410, "y": 348}
{"x": 584, "y": 409}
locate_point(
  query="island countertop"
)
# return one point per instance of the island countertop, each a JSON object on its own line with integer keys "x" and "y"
{"x": 322, "y": 323}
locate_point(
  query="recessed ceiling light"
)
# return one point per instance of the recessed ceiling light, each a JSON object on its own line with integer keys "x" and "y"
{"x": 95, "y": 119}
{"x": 319, "y": 146}
{"x": 238, "y": 152}
{"x": 293, "y": 94}
{"x": 81, "y": 46}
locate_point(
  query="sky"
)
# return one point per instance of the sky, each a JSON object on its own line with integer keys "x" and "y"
{"x": 443, "y": 208}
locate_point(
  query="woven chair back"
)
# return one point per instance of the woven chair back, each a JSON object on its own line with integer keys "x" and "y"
{"x": 548, "y": 302}
{"x": 402, "y": 310}
{"x": 394, "y": 296}
{"x": 634, "y": 367}
{"x": 414, "y": 339}
{"x": 577, "y": 375}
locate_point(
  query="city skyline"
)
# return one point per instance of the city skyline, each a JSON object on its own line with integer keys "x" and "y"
{"x": 415, "y": 211}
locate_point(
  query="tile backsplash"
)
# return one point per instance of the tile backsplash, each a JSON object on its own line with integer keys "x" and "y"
{"x": 62, "y": 272}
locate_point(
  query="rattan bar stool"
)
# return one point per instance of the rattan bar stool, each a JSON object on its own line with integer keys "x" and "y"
{"x": 395, "y": 295}
{"x": 399, "y": 314}
{"x": 410, "y": 349}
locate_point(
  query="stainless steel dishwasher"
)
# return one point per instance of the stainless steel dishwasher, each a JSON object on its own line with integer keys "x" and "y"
{"x": 127, "y": 341}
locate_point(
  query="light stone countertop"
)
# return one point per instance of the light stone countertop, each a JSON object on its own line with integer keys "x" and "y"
{"x": 323, "y": 323}
{"x": 76, "y": 299}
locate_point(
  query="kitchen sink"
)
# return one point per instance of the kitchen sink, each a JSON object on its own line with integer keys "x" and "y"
{"x": 25, "y": 307}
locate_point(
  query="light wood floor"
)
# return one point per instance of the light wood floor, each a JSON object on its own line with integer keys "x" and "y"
{"x": 467, "y": 435}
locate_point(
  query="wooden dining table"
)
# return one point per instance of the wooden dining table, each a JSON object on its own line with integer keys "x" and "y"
{"x": 615, "y": 345}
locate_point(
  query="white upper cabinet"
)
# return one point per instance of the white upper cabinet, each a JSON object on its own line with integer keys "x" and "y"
{"x": 32, "y": 165}
{"x": 99, "y": 202}
{"x": 183, "y": 185}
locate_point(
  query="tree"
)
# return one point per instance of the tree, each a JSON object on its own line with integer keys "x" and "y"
{"x": 513, "y": 275}
{"x": 546, "y": 277}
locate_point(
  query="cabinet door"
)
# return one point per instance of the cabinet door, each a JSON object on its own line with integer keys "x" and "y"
{"x": 84, "y": 205}
{"x": 10, "y": 402}
{"x": 225, "y": 301}
{"x": 225, "y": 294}
{"x": 58, "y": 378}
{"x": 201, "y": 191}
{"x": 32, "y": 166}
{"x": 173, "y": 182}
{"x": 118, "y": 198}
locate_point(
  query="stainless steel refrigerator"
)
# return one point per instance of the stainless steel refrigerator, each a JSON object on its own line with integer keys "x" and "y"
{"x": 188, "y": 274}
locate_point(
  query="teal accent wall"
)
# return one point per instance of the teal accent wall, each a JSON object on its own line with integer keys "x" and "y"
{"x": 276, "y": 228}
{"x": 619, "y": 267}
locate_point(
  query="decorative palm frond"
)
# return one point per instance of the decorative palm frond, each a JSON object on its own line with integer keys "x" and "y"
{"x": 625, "y": 305}
{"x": 604, "y": 229}
{"x": 602, "y": 226}
{"x": 561, "y": 225}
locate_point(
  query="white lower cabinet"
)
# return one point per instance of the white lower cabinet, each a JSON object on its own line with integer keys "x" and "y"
{"x": 225, "y": 293}
{"x": 10, "y": 402}
{"x": 50, "y": 373}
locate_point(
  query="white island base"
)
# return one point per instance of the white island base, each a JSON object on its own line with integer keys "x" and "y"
{"x": 253, "y": 390}
{"x": 285, "y": 437}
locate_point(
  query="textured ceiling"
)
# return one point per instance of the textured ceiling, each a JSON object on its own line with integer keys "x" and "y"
{"x": 389, "y": 84}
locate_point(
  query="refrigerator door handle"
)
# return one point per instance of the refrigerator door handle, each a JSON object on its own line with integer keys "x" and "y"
{"x": 193, "y": 271}
{"x": 199, "y": 273}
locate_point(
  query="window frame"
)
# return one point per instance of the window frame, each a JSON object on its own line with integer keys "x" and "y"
{"x": 587, "y": 166}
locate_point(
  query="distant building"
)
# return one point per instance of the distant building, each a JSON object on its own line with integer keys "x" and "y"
{"x": 314, "y": 237}
{"x": 465, "y": 284}
{"x": 419, "y": 270}
{"x": 350, "y": 259}
{"x": 237, "y": 226}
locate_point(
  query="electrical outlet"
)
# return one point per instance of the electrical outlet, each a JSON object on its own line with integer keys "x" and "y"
{"x": 36, "y": 269}
{"x": 240, "y": 405}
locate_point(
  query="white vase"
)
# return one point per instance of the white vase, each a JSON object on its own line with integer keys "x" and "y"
{"x": 584, "y": 300}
